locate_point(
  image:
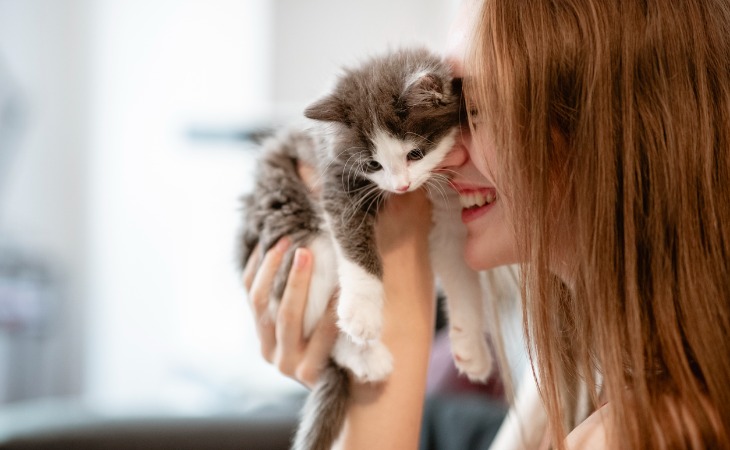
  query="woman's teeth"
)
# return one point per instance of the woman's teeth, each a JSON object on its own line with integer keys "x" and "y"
{"x": 476, "y": 199}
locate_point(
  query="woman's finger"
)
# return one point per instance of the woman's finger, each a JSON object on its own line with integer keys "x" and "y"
{"x": 319, "y": 348}
{"x": 291, "y": 312}
{"x": 260, "y": 295}
{"x": 249, "y": 272}
{"x": 264, "y": 279}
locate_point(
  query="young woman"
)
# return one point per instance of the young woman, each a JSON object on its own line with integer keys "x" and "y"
{"x": 604, "y": 129}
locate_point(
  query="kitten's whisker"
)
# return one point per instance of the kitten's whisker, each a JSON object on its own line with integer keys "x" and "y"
{"x": 422, "y": 137}
{"x": 353, "y": 207}
{"x": 446, "y": 179}
{"x": 361, "y": 188}
{"x": 376, "y": 199}
{"x": 431, "y": 184}
{"x": 352, "y": 172}
{"x": 442, "y": 180}
{"x": 336, "y": 159}
{"x": 363, "y": 208}
{"x": 347, "y": 172}
{"x": 324, "y": 169}
{"x": 428, "y": 190}
{"x": 444, "y": 170}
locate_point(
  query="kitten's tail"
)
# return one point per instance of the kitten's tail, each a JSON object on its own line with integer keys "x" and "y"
{"x": 324, "y": 411}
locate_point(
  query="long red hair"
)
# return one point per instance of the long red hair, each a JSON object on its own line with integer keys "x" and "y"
{"x": 612, "y": 124}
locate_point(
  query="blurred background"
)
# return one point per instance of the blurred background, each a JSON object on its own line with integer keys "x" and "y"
{"x": 124, "y": 147}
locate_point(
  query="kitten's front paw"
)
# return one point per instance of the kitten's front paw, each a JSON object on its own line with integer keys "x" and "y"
{"x": 369, "y": 363}
{"x": 471, "y": 354}
{"x": 360, "y": 316}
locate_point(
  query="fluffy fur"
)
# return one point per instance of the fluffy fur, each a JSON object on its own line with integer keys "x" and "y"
{"x": 384, "y": 129}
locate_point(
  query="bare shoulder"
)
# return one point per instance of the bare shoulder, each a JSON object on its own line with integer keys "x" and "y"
{"x": 591, "y": 433}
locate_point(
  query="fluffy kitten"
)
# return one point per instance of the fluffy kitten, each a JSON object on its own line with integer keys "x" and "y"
{"x": 389, "y": 124}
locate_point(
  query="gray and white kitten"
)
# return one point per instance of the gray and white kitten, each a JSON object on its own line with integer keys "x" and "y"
{"x": 388, "y": 124}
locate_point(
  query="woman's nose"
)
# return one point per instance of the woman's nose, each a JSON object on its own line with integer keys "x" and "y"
{"x": 457, "y": 156}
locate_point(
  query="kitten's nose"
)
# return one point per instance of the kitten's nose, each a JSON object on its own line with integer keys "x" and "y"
{"x": 403, "y": 187}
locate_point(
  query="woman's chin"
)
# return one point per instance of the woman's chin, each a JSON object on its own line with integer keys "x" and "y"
{"x": 483, "y": 253}
{"x": 476, "y": 258}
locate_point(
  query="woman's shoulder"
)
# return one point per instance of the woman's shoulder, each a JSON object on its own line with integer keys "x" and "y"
{"x": 592, "y": 432}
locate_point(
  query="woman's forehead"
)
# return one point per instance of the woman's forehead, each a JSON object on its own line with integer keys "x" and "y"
{"x": 459, "y": 34}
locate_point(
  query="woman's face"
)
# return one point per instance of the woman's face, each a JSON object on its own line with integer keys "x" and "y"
{"x": 490, "y": 240}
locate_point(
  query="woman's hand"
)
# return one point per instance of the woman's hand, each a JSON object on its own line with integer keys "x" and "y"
{"x": 282, "y": 340}
{"x": 403, "y": 226}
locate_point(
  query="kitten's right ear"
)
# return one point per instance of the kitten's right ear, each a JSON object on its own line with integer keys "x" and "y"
{"x": 328, "y": 109}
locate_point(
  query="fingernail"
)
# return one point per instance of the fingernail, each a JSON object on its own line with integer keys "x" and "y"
{"x": 301, "y": 258}
{"x": 282, "y": 244}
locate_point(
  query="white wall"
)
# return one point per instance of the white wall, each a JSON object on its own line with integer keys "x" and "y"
{"x": 43, "y": 203}
{"x": 169, "y": 313}
{"x": 314, "y": 38}
{"x": 141, "y": 219}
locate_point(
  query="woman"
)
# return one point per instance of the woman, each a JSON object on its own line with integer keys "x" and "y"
{"x": 604, "y": 129}
{"x": 612, "y": 124}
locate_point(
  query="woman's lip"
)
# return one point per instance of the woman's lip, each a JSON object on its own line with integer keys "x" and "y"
{"x": 474, "y": 212}
{"x": 470, "y": 214}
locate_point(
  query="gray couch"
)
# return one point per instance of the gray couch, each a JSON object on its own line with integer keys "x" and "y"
{"x": 69, "y": 424}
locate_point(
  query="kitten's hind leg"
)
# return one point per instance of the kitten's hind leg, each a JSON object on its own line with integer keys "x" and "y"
{"x": 469, "y": 345}
{"x": 464, "y": 297}
{"x": 368, "y": 363}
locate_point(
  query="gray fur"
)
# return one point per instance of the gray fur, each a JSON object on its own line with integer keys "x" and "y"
{"x": 377, "y": 95}
{"x": 324, "y": 410}
{"x": 280, "y": 204}
{"x": 409, "y": 94}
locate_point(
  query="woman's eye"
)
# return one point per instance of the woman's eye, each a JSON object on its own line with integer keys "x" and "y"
{"x": 415, "y": 154}
{"x": 373, "y": 165}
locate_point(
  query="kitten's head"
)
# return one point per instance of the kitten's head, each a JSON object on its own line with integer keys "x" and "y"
{"x": 397, "y": 115}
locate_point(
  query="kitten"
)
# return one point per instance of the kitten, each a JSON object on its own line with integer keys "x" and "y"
{"x": 388, "y": 124}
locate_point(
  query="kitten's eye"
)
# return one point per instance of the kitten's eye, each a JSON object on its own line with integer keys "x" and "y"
{"x": 373, "y": 165}
{"x": 415, "y": 154}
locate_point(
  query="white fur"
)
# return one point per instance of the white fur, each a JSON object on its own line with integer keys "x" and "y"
{"x": 464, "y": 297}
{"x": 370, "y": 362}
{"x": 391, "y": 154}
{"x": 526, "y": 423}
{"x": 323, "y": 283}
{"x": 415, "y": 78}
{"x": 397, "y": 171}
{"x": 359, "y": 309}
{"x": 436, "y": 155}
{"x": 361, "y": 298}
{"x": 360, "y": 306}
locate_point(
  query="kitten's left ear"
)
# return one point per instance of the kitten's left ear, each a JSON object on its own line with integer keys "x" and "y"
{"x": 328, "y": 109}
{"x": 425, "y": 89}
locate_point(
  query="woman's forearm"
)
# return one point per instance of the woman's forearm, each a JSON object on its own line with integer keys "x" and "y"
{"x": 388, "y": 415}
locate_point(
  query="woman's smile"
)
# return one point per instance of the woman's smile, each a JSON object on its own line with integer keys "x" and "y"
{"x": 475, "y": 201}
